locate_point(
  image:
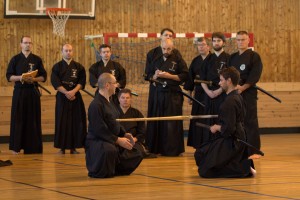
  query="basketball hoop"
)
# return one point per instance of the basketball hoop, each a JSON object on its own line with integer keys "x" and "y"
{"x": 59, "y": 18}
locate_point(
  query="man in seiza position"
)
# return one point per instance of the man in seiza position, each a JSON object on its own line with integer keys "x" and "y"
{"x": 136, "y": 128}
{"x": 109, "y": 149}
{"x": 225, "y": 156}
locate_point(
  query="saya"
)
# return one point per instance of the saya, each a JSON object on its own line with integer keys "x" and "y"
{"x": 164, "y": 84}
{"x": 210, "y": 83}
{"x": 239, "y": 140}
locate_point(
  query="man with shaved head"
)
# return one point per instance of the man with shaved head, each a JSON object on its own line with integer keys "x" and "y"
{"x": 68, "y": 77}
{"x": 110, "y": 151}
{"x": 166, "y": 137}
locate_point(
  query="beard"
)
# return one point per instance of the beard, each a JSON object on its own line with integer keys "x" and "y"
{"x": 167, "y": 55}
{"x": 224, "y": 88}
{"x": 217, "y": 48}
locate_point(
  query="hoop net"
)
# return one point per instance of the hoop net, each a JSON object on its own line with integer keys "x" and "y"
{"x": 59, "y": 17}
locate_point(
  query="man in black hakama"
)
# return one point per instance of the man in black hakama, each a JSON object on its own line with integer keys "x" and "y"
{"x": 109, "y": 150}
{"x": 166, "y": 137}
{"x": 109, "y": 66}
{"x": 225, "y": 157}
{"x": 68, "y": 77}
{"x": 196, "y": 133}
{"x": 152, "y": 56}
{"x": 136, "y": 128}
{"x": 249, "y": 64}
{"x": 25, "y": 127}
{"x": 210, "y": 72}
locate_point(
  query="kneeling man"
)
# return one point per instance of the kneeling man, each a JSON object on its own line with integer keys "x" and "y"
{"x": 109, "y": 150}
{"x": 225, "y": 156}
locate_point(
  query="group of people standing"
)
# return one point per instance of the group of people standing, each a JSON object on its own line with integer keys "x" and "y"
{"x": 113, "y": 148}
{"x": 110, "y": 148}
{"x": 67, "y": 77}
{"x": 249, "y": 66}
{"x": 225, "y": 87}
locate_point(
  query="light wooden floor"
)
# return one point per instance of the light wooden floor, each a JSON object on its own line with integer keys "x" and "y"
{"x": 53, "y": 176}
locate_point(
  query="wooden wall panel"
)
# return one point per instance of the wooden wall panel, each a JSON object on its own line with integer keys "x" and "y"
{"x": 271, "y": 114}
{"x": 275, "y": 24}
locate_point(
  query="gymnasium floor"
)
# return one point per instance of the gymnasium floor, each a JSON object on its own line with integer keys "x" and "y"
{"x": 53, "y": 176}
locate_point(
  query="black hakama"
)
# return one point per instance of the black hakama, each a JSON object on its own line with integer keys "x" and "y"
{"x": 195, "y": 133}
{"x": 210, "y": 72}
{"x": 104, "y": 158}
{"x": 25, "y": 127}
{"x": 136, "y": 128}
{"x": 70, "y": 116}
{"x": 166, "y": 137}
{"x": 250, "y": 67}
{"x": 152, "y": 57}
{"x": 225, "y": 157}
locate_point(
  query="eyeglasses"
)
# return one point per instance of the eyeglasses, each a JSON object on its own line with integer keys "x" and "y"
{"x": 168, "y": 35}
{"x": 240, "y": 40}
{"x": 113, "y": 83}
{"x": 27, "y": 42}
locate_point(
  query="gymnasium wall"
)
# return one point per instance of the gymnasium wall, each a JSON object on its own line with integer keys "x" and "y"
{"x": 275, "y": 24}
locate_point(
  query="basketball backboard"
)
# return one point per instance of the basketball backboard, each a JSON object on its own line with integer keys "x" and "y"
{"x": 37, "y": 8}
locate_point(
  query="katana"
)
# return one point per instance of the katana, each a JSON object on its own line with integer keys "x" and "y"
{"x": 87, "y": 92}
{"x": 237, "y": 139}
{"x": 192, "y": 98}
{"x": 151, "y": 80}
{"x": 202, "y": 125}
{"x": 267, "y": 93}
{"x": 209, "y": 83}
{"x": 134, "y": 94}
{"x": 72, "y": 84}
{"x": 170, "y": 118}
{"x": 251, "y": 146}
{"x": 164, "y": 84}
{"x": 44, "y": 88}
{"x": 198, "y": 81}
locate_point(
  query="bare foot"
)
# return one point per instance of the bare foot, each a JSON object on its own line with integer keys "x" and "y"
{"x": 253, "y": 171}
{"x": 254, "y": 156}
{"x": 15, "y": 152}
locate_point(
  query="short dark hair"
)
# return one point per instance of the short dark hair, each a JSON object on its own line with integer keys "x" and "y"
{"x": 242, "y": 33}
{"x": 232, "y": 73}
{"x": 102, "y": 46}
{"x": 218, "y": 35}
{"x": 201, "y": 39}
{"x": 24, "y": 36}
{"x": 124, "y": 91}
{"x": 166, "y": 29}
